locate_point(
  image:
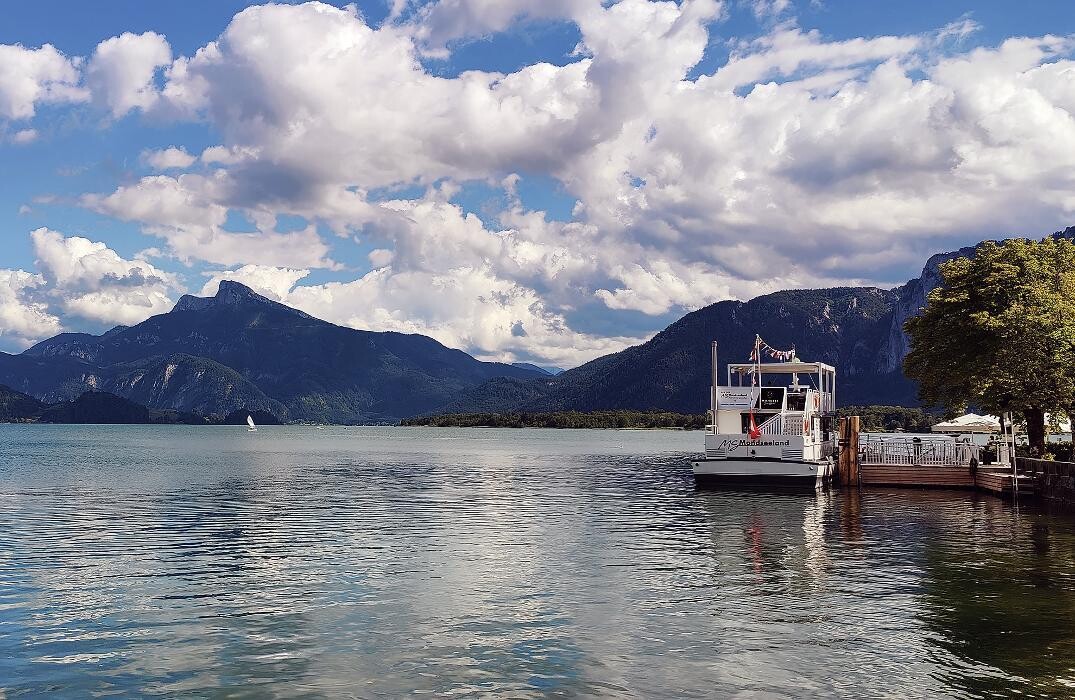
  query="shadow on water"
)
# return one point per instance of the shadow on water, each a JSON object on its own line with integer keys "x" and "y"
{"x": 1003, "y": 602}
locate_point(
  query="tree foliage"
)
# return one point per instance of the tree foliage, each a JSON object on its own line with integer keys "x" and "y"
{"x": 1000, "y": 332}
{"x": 878, "y": 419}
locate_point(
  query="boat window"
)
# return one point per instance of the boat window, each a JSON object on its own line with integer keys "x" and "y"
{"x": 771, "y": 398}
{"x": 796, "y": 402}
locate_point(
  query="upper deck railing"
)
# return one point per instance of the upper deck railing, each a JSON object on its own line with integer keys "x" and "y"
{"x": 789, "y": 424}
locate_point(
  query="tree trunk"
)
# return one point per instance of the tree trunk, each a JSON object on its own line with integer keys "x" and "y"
{"x": 1035, "y": 430}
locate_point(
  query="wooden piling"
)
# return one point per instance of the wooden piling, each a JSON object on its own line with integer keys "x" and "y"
{"x": 847, "y": 465}
{"x": 853, "y": 457}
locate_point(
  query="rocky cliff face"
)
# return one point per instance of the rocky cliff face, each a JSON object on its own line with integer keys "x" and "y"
{"x": 912, "y": 298}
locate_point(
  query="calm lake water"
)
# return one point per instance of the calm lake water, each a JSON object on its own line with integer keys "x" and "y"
{"x": 382, "y": 562}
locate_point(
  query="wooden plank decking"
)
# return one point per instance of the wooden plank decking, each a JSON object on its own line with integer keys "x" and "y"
{"x": 943, "y": 477}
{"x": 909, "y": 475}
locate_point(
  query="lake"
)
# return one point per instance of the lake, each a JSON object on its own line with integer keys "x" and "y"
{"x": 381, "y": 562}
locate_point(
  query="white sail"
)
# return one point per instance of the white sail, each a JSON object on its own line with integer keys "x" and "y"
{"x": 250, "y": 422}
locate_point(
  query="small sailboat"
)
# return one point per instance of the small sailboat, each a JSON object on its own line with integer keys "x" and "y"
{"x": 251, "y": 428}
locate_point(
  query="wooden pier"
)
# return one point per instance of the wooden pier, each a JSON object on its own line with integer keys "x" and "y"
{"x": 908, "y": 462}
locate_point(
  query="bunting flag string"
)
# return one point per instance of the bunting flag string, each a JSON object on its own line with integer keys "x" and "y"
{"x": 760, "y": 346}
{"x": 763, "y": 348}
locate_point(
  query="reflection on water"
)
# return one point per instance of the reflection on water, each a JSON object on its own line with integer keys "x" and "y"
{"x": 374, "y": 562}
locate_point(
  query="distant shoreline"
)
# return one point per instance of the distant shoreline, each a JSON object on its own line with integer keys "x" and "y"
{"x": 621, "y": 420}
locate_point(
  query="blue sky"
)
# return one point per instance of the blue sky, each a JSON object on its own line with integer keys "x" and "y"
{"x": 632, "y": 161}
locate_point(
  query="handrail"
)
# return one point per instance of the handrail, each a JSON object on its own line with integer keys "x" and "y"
{"x": 773, "y": 426}
{"x": 908, "y": 452}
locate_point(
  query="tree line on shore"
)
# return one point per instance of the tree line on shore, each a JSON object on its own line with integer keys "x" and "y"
{"x": 874, "y": 418}
{"x": 103, "y": 407}
{"x": 563, "y": 419}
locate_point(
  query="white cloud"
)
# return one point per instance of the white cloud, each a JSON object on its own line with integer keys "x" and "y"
{"x": 273, "y": 282}
{"x": 185, "y": 211}
{"x": 120, "y": 74}
{"x": 168, "y": 158}
{"x": 465, "y": 307}
{"x": 787, "y": 50}
{"x": 439, "y": 23}
{"x": 227, "y": 156}
{"x": 89, "y": 279}
{"x": 24, "y": 136}
{"x": 316, "y": 94}
{"x": 32, "y": 76}
{"x": 23, "y": 320}
{"x": 764, "y": 9}
{"x": 688, "y": 190}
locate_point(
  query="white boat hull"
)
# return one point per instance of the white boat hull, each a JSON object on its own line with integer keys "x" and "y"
{"x": 761, "y": 472}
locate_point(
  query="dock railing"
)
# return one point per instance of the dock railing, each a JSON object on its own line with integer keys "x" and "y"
{"x": 918, "y": 452}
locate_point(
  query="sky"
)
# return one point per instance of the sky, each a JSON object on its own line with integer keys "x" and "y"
{"x": 527, "y": 180}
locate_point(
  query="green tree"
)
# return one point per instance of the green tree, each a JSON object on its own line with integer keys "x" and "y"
{"x": 1000, "y": 332}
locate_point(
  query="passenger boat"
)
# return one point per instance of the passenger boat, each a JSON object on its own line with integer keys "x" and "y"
{"x": 773, "y": 423}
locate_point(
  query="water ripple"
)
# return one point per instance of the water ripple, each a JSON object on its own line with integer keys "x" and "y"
{"x": 377, "y": 562}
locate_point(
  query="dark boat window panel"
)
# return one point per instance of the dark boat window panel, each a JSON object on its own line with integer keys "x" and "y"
{"x": 771, "y": 398}
{"x": 797, "y": 402}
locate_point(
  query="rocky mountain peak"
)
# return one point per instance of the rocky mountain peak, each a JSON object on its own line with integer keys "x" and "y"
{"x": 230, "y": 294}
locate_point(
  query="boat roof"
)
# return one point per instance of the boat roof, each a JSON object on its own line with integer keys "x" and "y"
{"x": 797, "y": 367}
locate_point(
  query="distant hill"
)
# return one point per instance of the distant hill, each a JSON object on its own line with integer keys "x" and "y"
{"x": 536, "y": 368}
{"x": 857, "y": 329}
{"x": 18, "y": 407}
{"x": 845, "y": 327}
{"x": 96, "y": 407}
{"x": 239, "y": 350}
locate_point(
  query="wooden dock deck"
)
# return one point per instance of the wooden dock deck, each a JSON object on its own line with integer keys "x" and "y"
{"x": 991, "y": 480}
{"x": 914, "y": 462}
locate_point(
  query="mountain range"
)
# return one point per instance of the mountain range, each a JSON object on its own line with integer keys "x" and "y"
{"x": 859, "y": 330}
{"x": 239, "y": 350}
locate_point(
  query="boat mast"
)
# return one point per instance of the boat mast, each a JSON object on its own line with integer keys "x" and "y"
{"x": 713, "y": 389}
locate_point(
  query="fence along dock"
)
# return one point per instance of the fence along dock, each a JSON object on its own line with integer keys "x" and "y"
{"x": 909, "y": 462}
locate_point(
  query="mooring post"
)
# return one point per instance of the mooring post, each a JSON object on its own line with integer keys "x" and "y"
{"x": 842, "y": 470}
{"x": 853, "y": 458}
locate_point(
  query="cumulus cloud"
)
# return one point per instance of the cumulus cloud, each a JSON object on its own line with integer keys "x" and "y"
{"x": 169, "y": 158}
{"x": 801, "y": 161}
{"x": 465, "y": 307}
{"x": 187, "y": 212}
{"x": 24, "y": 136}
{"x": 29, "y": 77}
{"x": 88, "y": 279}
{"x": 273, "y": 282}
{"x": 24, "y": 320}
{"x": 437, "y": 24}
{"x": 764, "y": 9}
{"x": 121, "y": 72}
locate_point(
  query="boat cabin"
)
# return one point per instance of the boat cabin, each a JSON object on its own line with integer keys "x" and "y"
{"x": 781, "y": 402}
